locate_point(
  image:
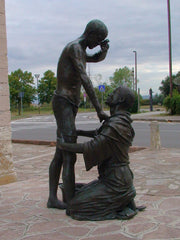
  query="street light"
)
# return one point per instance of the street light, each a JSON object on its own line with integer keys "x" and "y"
{"x": 135, "y": 70}
{"x": 170, "y": 53}
{"x": 133, "y": 77}
{"x": 138, "y": 92}
{"x": 37, "y": 76}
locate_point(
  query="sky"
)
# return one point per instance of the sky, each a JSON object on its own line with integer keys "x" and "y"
{"x": 38, "y": 30}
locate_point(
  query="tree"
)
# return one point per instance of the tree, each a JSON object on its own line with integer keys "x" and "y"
{"x": 158, "y": 99}
{"x": 122, "y": 76}
{"x": 165, "y": 85}
{"x": 21, "y": 82}
{"x": 46, "y": 87}
{"x": 173, "y": 103}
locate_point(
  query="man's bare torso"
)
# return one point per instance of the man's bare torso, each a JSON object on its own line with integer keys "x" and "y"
{"x": 71, "y": 66}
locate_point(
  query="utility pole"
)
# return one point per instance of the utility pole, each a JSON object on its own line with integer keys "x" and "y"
{"x": 133, "y": 77}
{"x": 170, "y": 52}
{"x": 135, "y": 70}
{"x": 151, "y": 99}
{"x": 37, "y": 77}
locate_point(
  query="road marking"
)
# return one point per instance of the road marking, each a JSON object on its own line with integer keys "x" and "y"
{"x": 32, "y": 158}
{"x": 53, "y": 123}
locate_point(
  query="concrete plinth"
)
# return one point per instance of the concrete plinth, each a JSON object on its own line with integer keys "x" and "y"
{"x": 155, "y": 136}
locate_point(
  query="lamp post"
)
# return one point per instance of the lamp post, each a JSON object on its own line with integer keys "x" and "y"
{"x": 135, "y": 70}
{"x": 21, "y": 95}
{"x": 133, "y": 77}
{"x": 37, "y": 76}
{"x": 170, "y": 52}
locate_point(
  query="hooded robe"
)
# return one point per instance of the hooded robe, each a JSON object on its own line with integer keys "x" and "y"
{"x": 102, "y": 199}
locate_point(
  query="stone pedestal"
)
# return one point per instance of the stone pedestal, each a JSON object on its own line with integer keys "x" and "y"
{"x": 7, "y": 172}
{"x": 155, "y": 136}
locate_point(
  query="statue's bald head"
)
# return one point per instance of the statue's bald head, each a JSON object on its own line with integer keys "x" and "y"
{"x": 122, "y": 96}
{"x": 97, "y": 27}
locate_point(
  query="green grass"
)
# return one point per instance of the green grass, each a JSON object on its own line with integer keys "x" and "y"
{"x": 27, "y": 114}
{"x": 43, "y": 111}
{"x": 155, "y": 107}
{"x": 47, "y": 110}
{"x": 31, "y": 111}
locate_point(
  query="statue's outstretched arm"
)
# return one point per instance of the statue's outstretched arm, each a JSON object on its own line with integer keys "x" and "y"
{"x": 71, "y": 147}
{"x": 84, "y": 133}
{"x": 76, "y": 55}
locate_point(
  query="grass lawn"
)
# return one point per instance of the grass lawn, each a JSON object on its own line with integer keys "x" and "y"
{"x": 43, "y": 111}
{"x": 155, "y": 107}
{"x": 47, "y": 110}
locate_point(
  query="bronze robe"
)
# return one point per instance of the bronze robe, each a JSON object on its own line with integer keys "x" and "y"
{"x": 103, "y": 198}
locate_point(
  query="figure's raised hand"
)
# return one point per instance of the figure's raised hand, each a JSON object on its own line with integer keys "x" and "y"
{"x": 104, "y": 45}
{"x": 102, "y": 116}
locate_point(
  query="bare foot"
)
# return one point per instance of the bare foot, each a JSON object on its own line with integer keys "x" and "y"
{"x": 141, "y": 208}
{"x": 126, "y": 213}
{"x": 55, "y": 203}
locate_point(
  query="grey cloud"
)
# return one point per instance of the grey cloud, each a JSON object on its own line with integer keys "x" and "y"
{"x": 37, "y": 31}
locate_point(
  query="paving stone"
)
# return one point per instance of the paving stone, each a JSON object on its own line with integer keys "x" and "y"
{"x": 48, "y": 236}
{"x": 16, "y": 217}
{"x": 173, "y": 212}
{"x": 166, "y": 219}
{"x": 170, "y": 203}
{"x": 163, "y": 232}
{"x": 48, "y": 226}
{"x": 117, "y": 236}
{"x": 106, "y": 229}
{"x": 10, "y": 235}
{"x": 138, "y": 228}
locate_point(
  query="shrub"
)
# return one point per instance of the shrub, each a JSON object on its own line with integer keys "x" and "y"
{"x": 134, "y": 108}
{"x": 145, "y": 102}
{"x": 177, "y": 103}
{"x": 173, "y": 103}
{"x": 167, "y": 103}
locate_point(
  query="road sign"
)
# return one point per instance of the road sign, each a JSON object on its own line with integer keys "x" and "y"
{"x": 21, "y": 94}
{"x": 102, "y": 88}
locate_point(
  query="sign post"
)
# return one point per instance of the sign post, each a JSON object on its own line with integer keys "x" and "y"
{"x": 102, "y": 90}
{"x": 84, "y": 94}
{"x": 151, "y": 99}
{"x": 21, "y": 95}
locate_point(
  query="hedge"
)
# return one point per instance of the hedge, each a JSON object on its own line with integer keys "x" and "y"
{"x": 173, "y": 103}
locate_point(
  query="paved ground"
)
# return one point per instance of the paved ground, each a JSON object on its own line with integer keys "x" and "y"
{"x": 156, "y": 116}
{"x": 24, "y": 216}
{"x": 160, "y": 116}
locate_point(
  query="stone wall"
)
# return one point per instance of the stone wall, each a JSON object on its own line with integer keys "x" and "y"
{"x": 7, "y": 172}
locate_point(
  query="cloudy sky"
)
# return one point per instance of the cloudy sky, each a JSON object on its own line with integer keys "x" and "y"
{"x": 38, "y": 30}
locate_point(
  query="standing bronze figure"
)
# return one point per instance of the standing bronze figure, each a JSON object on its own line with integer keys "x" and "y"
{"x": 71, "y": 75}
{"x": 112, "y": 195}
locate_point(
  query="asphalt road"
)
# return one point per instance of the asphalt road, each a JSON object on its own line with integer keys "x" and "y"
{"x": 44, "y": 128}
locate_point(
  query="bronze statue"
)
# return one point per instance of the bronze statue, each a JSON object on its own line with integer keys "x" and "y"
{"x": 112, "y": 195}
{"x": 71, "y": 74}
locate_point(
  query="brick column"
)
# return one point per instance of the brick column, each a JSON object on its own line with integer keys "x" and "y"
{"x": 7, "y": 172}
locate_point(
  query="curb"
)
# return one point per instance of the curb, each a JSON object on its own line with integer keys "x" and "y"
{"x": 53, "y": 144}
{"x": 35, "y": 142}
{"x": 147, "y": 119}
{"x": 154, "y": 119}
